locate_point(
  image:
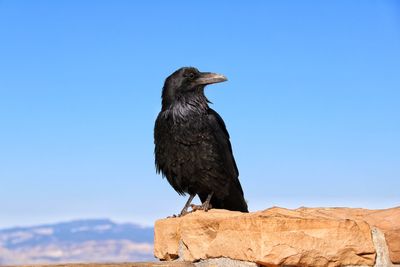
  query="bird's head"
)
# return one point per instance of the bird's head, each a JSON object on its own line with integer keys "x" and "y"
{"x": 187, "y": 82}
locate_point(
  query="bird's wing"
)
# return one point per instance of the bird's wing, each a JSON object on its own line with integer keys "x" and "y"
{"x": 222, "y": 138}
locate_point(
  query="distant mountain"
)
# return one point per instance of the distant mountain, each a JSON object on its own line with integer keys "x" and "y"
{"x": 76, "y": 241}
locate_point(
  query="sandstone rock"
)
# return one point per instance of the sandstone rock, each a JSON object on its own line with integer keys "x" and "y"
{"x": 387, "y": 220}
{"x": 273, "y": 237}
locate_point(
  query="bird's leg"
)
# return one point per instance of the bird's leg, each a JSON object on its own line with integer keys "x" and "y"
{"x": 205, "y": 206}
{"x": 185, "y": 208}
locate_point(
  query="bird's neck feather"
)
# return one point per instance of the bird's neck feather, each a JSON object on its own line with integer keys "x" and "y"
{"x": 187, "y": 106}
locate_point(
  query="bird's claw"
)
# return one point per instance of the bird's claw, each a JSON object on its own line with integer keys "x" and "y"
{"x": 183, "y": 213}
{"x": 204, "y": 207}
{"x": 194, "y": 208}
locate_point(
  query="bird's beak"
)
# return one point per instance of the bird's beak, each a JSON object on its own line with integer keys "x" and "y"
{"x": 209, "y": 78}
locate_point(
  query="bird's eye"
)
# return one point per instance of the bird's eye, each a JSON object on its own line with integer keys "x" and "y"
{"x": 191, "y": 75}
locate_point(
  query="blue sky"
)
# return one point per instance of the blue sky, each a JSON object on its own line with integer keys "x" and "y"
{"x": 312, "y": 102}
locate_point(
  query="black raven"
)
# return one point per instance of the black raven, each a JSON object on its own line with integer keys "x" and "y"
{"x": 192, "y": 147}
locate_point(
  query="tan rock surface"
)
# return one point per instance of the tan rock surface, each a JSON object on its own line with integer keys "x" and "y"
{"x": 387, "y": 220}
{"x": 272, "y": 237}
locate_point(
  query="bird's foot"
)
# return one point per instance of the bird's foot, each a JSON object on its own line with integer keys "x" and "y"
{"x": 204, "y": 206}
{"x": 194, "y": 208}
{"x": 184, "y": 212}
{"x": 185, "y": 208}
